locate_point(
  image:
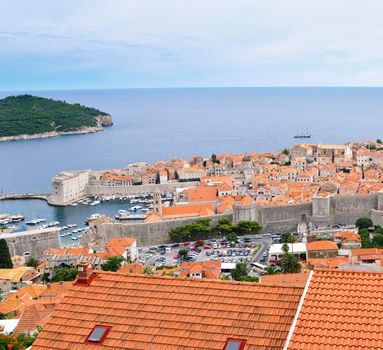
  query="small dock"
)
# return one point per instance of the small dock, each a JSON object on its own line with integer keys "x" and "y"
{"x": 41, "y": 196}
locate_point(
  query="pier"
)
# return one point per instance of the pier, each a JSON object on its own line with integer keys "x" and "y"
{"x": 42, "y": 196}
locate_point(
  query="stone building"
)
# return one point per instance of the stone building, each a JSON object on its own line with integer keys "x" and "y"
{"x": 68, "y": 187}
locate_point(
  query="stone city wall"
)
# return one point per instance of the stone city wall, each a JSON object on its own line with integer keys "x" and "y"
{"x": 273, "y": 219}
{"x": 146, "y": 233}
{"x": 34, "y": 242}
{"x": 330, "y": 210}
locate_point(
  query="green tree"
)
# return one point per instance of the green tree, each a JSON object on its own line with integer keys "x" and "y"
{"x": 113, "y": 263}
{"x": 377, "y": 240}
{"x": 285, "y": 151}
{"x": 239, "y": 271}
{"x": 378, "y": 141}
{"x": 249, "y": 279}
{"x": 5, "y": 256}
{"x": 214, "y": 159}
{"x": 65, "y": 274}
{"x": 147, "y": 270}
{"x": 271, "y": 270}
{"x": 287, "y": 237}
{"x": 183, "y": 253}
{"x": 290, "y": 263}
{"x": 45, "y": 278}
{"x": 247, "y": 227}
{"x": 232, "y": 237}
{"x": 378, "y": 229}
{"x": 285, "y": 248}
{"x": 363, "y": 222}
{"x": 32, "y": 262}
{"x": 365, "y": 238}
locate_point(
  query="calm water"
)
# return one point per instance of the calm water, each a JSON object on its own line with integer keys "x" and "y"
{"x": 155, "y": 124}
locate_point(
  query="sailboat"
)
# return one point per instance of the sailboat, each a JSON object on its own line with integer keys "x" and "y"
{"x": 303, "y": 135}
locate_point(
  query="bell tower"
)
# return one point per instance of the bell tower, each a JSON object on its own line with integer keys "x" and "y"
{"x": 157, "y": 203}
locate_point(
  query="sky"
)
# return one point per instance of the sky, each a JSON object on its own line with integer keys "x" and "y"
{"x": 95, "y": 44}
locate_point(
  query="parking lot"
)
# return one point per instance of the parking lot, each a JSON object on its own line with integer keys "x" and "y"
{"x": 248, "y": 249}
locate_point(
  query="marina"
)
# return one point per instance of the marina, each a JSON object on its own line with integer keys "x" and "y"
{"x": 72, "y": 219}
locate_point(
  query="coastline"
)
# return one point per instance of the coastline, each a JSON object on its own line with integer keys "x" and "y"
{"x": 103, "y": 121}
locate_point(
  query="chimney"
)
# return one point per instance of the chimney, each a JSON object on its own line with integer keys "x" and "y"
{"x": 85, "y": 274}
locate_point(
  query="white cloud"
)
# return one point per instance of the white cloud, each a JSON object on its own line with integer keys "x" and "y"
{"x": 179, "y": 42}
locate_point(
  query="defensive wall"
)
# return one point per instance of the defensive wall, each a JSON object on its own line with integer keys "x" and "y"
{"x": 34, "y": 242}
{"x": 146, "y": 233}
{"x": 322, "y": 211}
{"x": 274, "y": 219}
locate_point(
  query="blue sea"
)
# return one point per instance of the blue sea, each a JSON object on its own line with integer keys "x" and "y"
{"x": 158, "y": 124}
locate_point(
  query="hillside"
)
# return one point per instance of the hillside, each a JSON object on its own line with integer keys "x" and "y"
{"x": 30, "y": 115}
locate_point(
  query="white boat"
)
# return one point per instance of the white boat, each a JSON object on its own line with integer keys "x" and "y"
{"x": 135, "y": 208}
{"x": 73, "y": 204}
{"x": 17, "y": 218}
{"x": 74, "y": 238}
{"x": 35, "y": 221}
{"x": 95, "y": 203}
{"x": 71, "y": 225}
{"x": 4, "y": 221}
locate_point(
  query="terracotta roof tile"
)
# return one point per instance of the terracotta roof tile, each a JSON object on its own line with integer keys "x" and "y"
{"x": 147, "y": 312}
{"x": 321, "y": 245}
{"x": 341, "y": 311}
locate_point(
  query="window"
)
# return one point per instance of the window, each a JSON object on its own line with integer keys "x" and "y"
{"x": 98, "y": 334}
{"x": 235, "y": 344}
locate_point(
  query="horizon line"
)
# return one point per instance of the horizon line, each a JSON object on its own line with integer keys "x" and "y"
{"x": 193, "y": 87}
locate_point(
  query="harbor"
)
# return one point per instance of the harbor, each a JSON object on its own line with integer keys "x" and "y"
{"x": 24, "y": 214}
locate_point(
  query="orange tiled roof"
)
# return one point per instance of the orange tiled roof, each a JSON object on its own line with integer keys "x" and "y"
{"x": 288, "y": 279}
{"x": 117, "y": 246}
{"x": 187, "y": 210}
{"x": 321, "y": 245}
{"x": 131, "y": 268}
{"x": 341, "y": 310}
{"x": 332, "y": 263}
{"x": 147, "y": 312}
{"x": 209, "y": 269}
{"x": 32, "y": 291}
{"x": 33, "y": 316}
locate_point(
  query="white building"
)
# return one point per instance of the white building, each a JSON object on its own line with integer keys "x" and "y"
{"x": 68, "y": 187}
{"x": 276, "y": 252}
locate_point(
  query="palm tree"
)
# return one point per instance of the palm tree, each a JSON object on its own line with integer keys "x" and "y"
{"x": 290, "y": 263}
{"x": 271, "y": 270}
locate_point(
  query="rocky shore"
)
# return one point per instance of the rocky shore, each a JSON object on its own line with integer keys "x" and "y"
{"x": 102, "y": 122}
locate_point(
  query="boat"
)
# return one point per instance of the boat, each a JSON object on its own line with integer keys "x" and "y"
{"x": 4, "y": 221}
{"x": 35, "y": 221}
{"x": 302, "y": 135}
{"x": 131, "y": 217}
{"x": 71, "y": 225}
{"x": 73, "y": 204}
{"x": 17, "y": 218}
{"x": 93, "y": 217}
{"x": 54, "y": 223}
{"x": 74, "y": 238}
{"x": 135, "y": 208}
{"x": 95, "y": 203}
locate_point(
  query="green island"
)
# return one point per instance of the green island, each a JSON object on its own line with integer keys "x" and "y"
{"x": 26, "y": 116}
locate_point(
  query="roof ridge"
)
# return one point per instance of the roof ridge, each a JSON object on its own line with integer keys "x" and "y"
{"x": 184, "y": 279}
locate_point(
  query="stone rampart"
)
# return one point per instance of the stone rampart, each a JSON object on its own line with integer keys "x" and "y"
{"x": 34, "y": 242}
{"x": 274, "y": 219}
{"x": 146, "y": 233}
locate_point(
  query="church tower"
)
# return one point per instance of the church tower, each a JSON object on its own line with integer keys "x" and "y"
{"x": 157, "y": 203}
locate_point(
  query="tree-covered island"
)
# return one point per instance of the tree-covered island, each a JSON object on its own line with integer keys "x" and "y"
{"x": 26, "y": 116}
